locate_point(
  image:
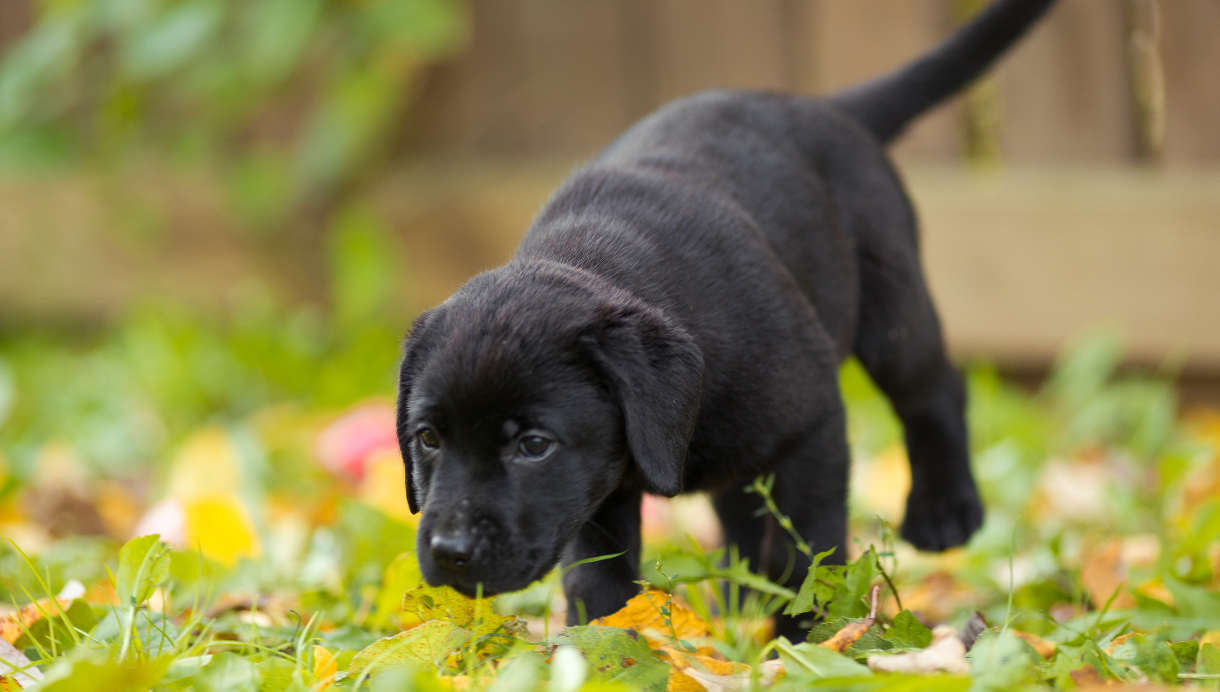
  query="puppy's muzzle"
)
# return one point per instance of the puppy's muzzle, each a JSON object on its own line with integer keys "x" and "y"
{"x": 452, "y": 550}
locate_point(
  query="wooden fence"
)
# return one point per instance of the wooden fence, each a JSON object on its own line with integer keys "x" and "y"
{"x": 561, "y": 77}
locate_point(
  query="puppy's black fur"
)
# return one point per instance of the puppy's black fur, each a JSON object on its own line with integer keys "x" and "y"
{"x": 674, "y": 321}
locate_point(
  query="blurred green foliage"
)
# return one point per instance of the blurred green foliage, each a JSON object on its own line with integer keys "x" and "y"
{"x": 292, "y": 93}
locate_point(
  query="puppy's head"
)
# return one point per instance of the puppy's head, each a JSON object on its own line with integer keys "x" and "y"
{"x": 524, "y": 401}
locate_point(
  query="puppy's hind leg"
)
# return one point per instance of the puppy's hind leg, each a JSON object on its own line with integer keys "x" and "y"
{"x": 899, "y": 343}
{"x": 810, "y": 489}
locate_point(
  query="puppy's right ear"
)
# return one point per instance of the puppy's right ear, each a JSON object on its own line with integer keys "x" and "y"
{"x": 418, "y": 345}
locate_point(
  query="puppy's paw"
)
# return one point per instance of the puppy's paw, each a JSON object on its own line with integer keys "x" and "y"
{"x": 941, "y": 520}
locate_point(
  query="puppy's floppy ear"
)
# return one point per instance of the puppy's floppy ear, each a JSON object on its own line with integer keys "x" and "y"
{"x": 418, "y": 344}
{"x": 655, "y": 369}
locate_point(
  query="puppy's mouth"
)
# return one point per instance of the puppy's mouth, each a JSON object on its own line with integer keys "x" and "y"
{"x": 490, "y": 576}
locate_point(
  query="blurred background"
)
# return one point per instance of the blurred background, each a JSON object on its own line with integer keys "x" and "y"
{"x": 218, "y": 218}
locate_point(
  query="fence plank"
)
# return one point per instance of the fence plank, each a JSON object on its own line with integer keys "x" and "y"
{"x": 1063, "y": 92}
{"x": 1191, "y": 55}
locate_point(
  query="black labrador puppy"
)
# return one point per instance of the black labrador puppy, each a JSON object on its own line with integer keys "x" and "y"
{"x": 674, "y": 321}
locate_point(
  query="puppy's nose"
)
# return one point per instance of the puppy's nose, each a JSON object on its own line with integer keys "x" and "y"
{"x": 451, "y": 551}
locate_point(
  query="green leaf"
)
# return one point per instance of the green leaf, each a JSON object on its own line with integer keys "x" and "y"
{"x": 1002, "y": 661}
{"x": 617, "y": 655}
{"x": 851, "y": 599}
{"x": 908, "y": 632}
{"x": 813, "y": 661}
{"x": 172, "y": 39}
{"x": 806, "y": 596}
{"x": 1208, "y": 661}
{"x": 426, "y": 645}
{"x": 227, "y": 671}
{"x": 90, "y": 674}
{"x": 1151, "y": 655}
{"x": 520, "y": 673}
{"x": 143, "y": 566}
{"x": 1193, "y": 600}
{"x": 400, "y": 576}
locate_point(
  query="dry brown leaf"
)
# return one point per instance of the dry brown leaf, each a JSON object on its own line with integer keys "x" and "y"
{"x": 851, "y": 632}
{"x": 945, "y": 654}
{"x": 1103, "y": 572}
{"x": 1045, "y": 648}
{"x": 643, "y": 614}
{"x": 938, "y": 596}
{"x": 1087, "y": 676}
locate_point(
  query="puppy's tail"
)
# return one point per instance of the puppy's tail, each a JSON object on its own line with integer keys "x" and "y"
{"x": 886, "y": 104}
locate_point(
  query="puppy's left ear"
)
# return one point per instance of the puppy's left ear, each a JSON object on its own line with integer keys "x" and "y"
{"x": 656, "y": 370}
{"x": 418, "y": 344}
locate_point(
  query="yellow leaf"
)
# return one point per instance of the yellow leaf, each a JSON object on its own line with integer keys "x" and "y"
{"x": 443, "y": 603}
{"x": 324, "y": 668}
{"x": 206, "y": 465}
{"x": 644, "y": 614}
{"x": 220, "y": 528}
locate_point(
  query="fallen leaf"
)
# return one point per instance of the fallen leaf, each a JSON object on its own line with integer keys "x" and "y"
{"x": 972, "y": 629}
{"x": 945, "y": 654}
{"x": 325, "y": 668}
{"x": 427, "y": 645}
{"x": 739, "y": 677}
{"x": 1087, "y": 676}
{"x": 15, "y": 667}
{"x": 1046, "y": 649}
{"x": 444, "y": 603}
{"x": 220, "y": 527}
{"x": 616, "y": 655}
{"x": 1103, "y": 573}
{"x": 13, "y": 625}
{"x": 851, "y": 632}
{"x": 646, "y": 614}
{"x": 690, "y": 671}
{"x": 938, "y": 596}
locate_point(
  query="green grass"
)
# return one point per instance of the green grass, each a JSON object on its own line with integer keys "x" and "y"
{"x": 1102, "y": 534}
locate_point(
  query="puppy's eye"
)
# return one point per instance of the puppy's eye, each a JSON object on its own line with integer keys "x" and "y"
{"x": 428, "y": 438}
{"x": 535, "y": 447}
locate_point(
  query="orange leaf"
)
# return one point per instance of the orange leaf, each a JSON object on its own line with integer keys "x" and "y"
{"x": 689, "y": 671}
{"x": 851, "y": 632}
{"x": 644, "y": 614}
{"x": 15, "y": 624}
{"x": 1045, "y": 648}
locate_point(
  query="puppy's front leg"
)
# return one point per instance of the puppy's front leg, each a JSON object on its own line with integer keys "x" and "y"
{"x": 602, "y": 587}
{"x": 810, "y": 489}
